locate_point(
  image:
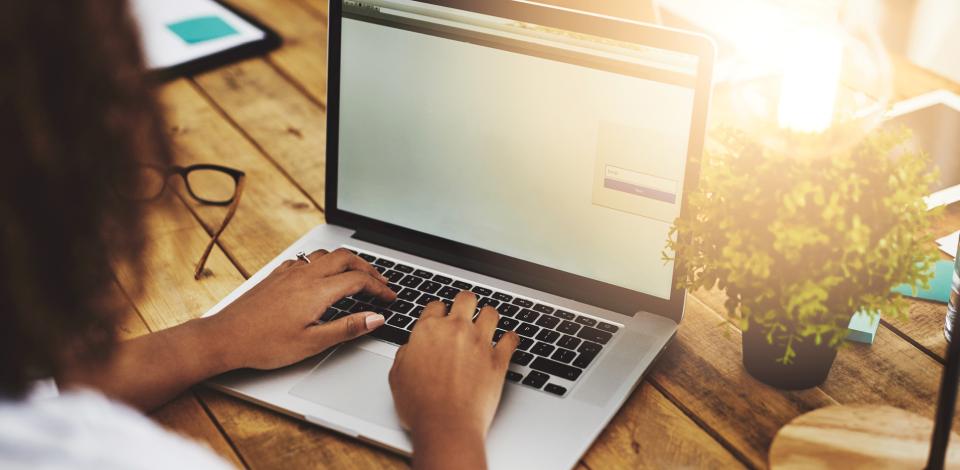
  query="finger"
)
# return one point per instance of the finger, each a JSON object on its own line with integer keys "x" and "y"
{"x": 346, "y": 328}
{"x": 317, "y": 254}
{"x": 342, "y": 285}
{"x": 464, "y": 304}
{"x": 342, "y": 260}
{"x": 504, "y": 349}
{"x": 487, "y": 322}
{"x": 436, "y": 309}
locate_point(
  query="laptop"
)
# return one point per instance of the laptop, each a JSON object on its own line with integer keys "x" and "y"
{"x": 534, "y": 155}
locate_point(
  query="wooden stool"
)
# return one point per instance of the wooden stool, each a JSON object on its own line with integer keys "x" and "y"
{"x": 854, "y": 437}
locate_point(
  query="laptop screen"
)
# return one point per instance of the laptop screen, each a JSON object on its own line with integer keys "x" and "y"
{"x": 558, "y": 148}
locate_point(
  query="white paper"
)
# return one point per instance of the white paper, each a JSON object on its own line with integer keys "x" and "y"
{"x": 163, "y": 48}
{"x": 948, "y": 244}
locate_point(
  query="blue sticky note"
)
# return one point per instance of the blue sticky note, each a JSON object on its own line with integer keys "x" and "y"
{"x": 863, "y": 328}
{"x": 201, "y": 28}
{"x": 939, "y": 290}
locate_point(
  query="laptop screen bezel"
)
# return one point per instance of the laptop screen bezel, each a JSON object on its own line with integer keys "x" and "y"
{"x": 532, "y": 275}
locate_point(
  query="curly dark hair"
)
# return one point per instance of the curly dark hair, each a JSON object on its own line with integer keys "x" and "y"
{"x": 77, "y": 116}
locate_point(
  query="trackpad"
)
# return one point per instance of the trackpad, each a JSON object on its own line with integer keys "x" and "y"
{"x": 353, "y": 381}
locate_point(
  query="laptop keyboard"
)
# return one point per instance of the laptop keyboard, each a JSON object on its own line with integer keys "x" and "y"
{"x": 556, "y": 345}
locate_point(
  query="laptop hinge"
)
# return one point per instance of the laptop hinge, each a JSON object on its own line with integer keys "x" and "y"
{"x": 426, "y": 251}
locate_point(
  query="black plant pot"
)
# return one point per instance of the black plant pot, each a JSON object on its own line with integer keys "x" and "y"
{"x": 809, "y": 367}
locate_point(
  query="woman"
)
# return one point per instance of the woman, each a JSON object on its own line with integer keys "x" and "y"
{"x": 77, "y": 123}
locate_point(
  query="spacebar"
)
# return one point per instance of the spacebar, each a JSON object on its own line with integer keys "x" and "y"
{"x": 391, "y": 334}
{"x": 555, "y": 368}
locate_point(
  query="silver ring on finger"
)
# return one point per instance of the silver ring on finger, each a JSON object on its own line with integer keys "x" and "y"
{"x": 303, "y": 257}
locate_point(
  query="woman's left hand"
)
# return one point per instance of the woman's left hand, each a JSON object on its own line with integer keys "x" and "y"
{"x": 273, "y": 324}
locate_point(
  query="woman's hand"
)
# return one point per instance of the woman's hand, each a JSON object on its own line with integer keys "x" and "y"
{"x": 273, "y": 324}
{"x": 447, "y": 382}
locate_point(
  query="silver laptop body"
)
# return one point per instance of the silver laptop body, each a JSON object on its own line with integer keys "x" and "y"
{"x": 535, "y": 154}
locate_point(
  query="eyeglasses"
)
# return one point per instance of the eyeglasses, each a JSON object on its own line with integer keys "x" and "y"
{"x": 213, "y": 185}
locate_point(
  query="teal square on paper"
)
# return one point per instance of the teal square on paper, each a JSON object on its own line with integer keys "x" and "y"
{"x": 939, "y": 290}
{"x": 202, "y": 28}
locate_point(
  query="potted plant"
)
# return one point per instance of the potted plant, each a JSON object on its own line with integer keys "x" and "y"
{"x": 801, "y": 244}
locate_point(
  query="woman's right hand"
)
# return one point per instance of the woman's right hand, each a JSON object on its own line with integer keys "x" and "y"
{"x": 447, "y": 381}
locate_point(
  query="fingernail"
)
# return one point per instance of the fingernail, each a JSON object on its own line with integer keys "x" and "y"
{"x": 383, "y": 278}
{"x": 373, "y": 321}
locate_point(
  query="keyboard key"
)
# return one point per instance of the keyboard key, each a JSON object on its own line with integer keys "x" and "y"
{"x": 507, "y": 323}
{"x": 360, "y": 307}
{"x": 555, "y": 368}
{"x": 589, "y": 347}
{"x": 343, "y": 304}
{"x": 403, "y": 268}
{"x": 522, "y": 358}
{"x": 536, "y": 379}
{"x": 392, "y": 334}
{"x": 399, "y": 321}
{"x": 481, "y": 290}
{"x": 367, "y": 258}
{"x": 384, "y": 262}
{"x": 548, "y": 336}
{"x": 417, "y": 310}
{"x": 523, "y": 302}
{"x": 363, "y": 298}
{"x": 426, "y": 299}
{"x": 380, "y": 269}
{"x": 393, "y": 276}
{"x": 548, "y": 321}
{"x": 423, "y": 274}
{"x": 595, "y": 335}
{"x": 410, "y": 281}
{"x": 568, "y": 342}
{"x": 586, "y": 321}
{"x": 564, "y": 314}
{"x": 584, "y": 359}
{"x": 401, "y": 306}
{"x": 462, "y": 285}
{"x": 502, "y": 297}
{"x": 352, "y": 251}
{"x": 525, "y": 343}
{"x": 526, "y": 329}
{"x": 568, "y": 327}
{"x": 527, "y": 315}
{"x": 448, "y": 292}
{"x": 555, "y": 389}
{"x": 514, "y": 376}
{"x": 409, "y": 295}
{"x": 488, "y": 301}
{"x": 412, "y": 324}
{"x": 542, "y": 349}
{"x": 497, "y": 334}
{"x": 563, "y": 355}
{"x": 442, "y": 279}
{"x": 395, "y": 287}
{"x": 508, "y": 310}
{"x": 543, "y": 308}
{"x": 608, "y": 327}
{"x": 330, "y": 314}
{"x": 430, "y": 287}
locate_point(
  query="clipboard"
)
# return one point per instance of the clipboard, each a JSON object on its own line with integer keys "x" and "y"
{"x": 185, "y": 37}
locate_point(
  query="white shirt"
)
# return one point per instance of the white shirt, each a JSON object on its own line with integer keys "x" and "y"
{"x": 85, "y": 430}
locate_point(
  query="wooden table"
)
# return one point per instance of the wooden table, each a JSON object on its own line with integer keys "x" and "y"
{"x": 697, "y": 408}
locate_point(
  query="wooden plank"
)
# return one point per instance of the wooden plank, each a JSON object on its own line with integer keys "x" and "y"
{"x": 303, "y": 26}
{"x": 273, "y": 213}
{"x": 703, "y": 372}
{"x": 651, "y": 432}
{"x": 276, "y": 116}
